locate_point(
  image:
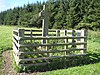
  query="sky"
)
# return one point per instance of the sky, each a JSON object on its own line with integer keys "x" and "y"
{"x": 7, "y": 4}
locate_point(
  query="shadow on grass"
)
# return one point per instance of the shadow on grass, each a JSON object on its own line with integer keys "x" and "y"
{"x": 64, "y": 63}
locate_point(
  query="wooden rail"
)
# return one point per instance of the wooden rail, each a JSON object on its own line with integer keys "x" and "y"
{"x": 28, "y": 45}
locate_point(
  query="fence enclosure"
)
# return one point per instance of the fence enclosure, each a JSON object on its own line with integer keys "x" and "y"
{"x": 30, "y": 49}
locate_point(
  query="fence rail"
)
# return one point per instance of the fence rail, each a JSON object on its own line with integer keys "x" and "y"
{"x": 28, "y": 45}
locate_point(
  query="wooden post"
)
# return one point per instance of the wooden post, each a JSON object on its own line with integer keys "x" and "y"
{"x": 15, "y": 50}
{"x": 31, "y": 35}
{"x": 44, "y": 15}
{"x": 58, "y": 32}
{"x": 85, "y": 40}
{"x": 16, "y": 55}
{"x": 73, "y": 40}
{"x": 78, "y": 34}
{"x": 66, "y": 41}
{"x": 47, "y": 47}
{"x": 84, "y": 33}
{"x": 20, "y": 34}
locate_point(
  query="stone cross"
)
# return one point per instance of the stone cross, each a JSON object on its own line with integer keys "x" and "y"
{"x": 44, "y": 16}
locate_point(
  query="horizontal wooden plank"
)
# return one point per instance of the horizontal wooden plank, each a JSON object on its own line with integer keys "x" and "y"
{"x": 36, "y": 30}
{"x": 17, "y": 38}
{"x": 36, "y": 64}
{"x": 39, "y": 30}
{"x": 28, "y": 35}
{"x": 54, "y": 37}
{"x": 74, "y": 55}
{"x": 15, "y": 50}
{"x": 51, "y": 57}
{"x": 32, "y": 35}
{"x": 51, "y": 51}
{"x": 15, "y": 30}
{"x": 16, "y": 44}
{"x": 55, "y": 44}
{"x": 14, "y": 40}
{"x": 52, "y": 30}
{"x": 41, "y": 58}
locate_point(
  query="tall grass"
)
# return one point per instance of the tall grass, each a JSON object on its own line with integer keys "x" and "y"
{"x": 94, "y": 41}
{"x": 5, "y": 38}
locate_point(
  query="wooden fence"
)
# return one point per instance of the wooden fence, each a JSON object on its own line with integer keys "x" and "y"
{"x": 29, "y": 48}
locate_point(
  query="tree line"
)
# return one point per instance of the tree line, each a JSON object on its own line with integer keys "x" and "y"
{"x": 62, "y": 14}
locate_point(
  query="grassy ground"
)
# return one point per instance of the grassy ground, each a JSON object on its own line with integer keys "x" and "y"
{"x": 5, "y": 38}
{"x": 93, "y": 50}
{"x": 5, "y": 41}
{"x": 92, "y": 69}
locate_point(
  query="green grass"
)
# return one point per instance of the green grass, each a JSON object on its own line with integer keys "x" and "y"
{"x": 93, "y": 51}
{"x": 5, "y": 41}
{"x": 1, "y": 73}
{"x": 92, "y": 69}
{"x": 5, "y": 38}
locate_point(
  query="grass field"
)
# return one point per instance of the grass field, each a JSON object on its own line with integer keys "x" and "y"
{"x": 92, "y": 69}
{"x": 5, "y": 38}
{"x": 93, "y": 49}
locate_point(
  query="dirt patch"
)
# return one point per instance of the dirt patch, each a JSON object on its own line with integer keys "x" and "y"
{"x": 8, "y": 65}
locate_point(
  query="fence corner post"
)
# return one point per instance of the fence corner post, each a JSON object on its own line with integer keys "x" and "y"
{"x": 20, "y": 34}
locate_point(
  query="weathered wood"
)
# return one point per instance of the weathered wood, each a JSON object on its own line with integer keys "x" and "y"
{"x": 66, "y": 41}
{"x": 73, "y": 40}
{"x": 57, "y": 33}
{"x": 85, "y": 40}
{"x": 65, "y": 35}
{"x": 41, "y": 58}
{"x": 44, "y": 15}
{"x": 57, "y": 44}
{"x": 15, "y": 49}
{"x": 74, "y": 55}
{"x": 20, "y": 34}
{"x": 15, "y": 30}
{"x": 15, "y": 42}
{"x": 51, "y": 57}
{"x": 16, "y": 37}
{"x": 50, "y": 37}
{"x": 36, "y": 64}
{"x": 52, "y": 30}
{"x": 51, "y": 51}
{"x": 28, "y": 35}
{"x": 35, "y": 30}
{"x": 31, "y": 35}
{"x": 38, "y": 30}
